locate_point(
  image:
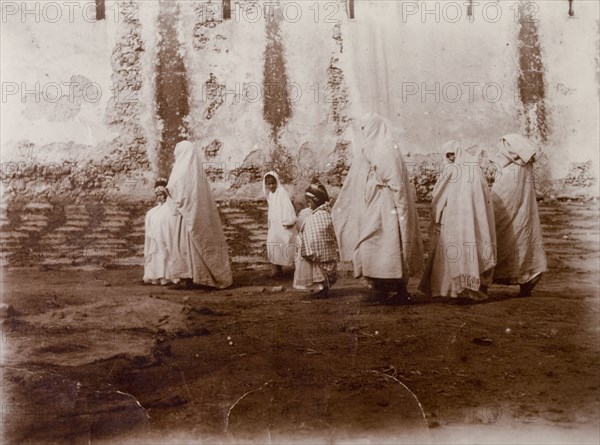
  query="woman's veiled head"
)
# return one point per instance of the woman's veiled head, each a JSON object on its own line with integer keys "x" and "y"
{"x": 183, "y": 147}
{"x": 517, "y": 148}
{"x": 371, "y": 124}
{"x": 450, "y": 150}
{"x": 378, "y": 146}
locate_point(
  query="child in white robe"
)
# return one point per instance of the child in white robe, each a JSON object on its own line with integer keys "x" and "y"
{"x": 281, "y": 233}
{"x": 156, "y": 255}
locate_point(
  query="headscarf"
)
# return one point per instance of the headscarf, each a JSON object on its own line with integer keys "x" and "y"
{"x": 281, "y": 218}
{"x": 280, "y": 204}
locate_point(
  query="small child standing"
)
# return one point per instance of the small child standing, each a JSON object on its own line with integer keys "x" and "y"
{"x": 317, "y": 251}
{"x": 281, "y": 222}
{"x": 156, "y": 256}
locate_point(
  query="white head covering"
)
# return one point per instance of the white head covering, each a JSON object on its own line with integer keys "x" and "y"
{"x": 282, "y": 219}
{"x": 280, "y": 204}
{"x": 517, "y": 148}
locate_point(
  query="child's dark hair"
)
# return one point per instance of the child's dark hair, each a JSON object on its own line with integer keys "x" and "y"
{"x": 160, "y": 182}
{"x": 317, "y": 193}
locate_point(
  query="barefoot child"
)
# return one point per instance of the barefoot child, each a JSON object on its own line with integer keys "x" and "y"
{"x": 317, "y": 252}
{"x": 281, "y": 221}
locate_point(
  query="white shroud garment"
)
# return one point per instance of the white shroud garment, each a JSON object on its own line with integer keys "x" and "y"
{"x": 375, "y": 215}
{"x": 462, "y": 251}
{"x": 199, "y": 246}
{"x": 281, "y": 247}
{"x": 521, "y": 255}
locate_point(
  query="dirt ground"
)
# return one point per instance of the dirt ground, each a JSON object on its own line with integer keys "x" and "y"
{"x": 93, "y": 356}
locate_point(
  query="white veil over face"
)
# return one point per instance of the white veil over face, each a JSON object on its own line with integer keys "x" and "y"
{"x": 192, "y": 198}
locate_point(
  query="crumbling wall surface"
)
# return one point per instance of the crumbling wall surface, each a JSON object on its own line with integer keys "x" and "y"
{"x": 310, "y": 135}
{"x": 224, "y": 62}
{"x": 73, "y": 128}
{"x": 100, "y": 135}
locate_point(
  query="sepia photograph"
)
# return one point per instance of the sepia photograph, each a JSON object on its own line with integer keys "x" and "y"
{"x": 300, "y": 222}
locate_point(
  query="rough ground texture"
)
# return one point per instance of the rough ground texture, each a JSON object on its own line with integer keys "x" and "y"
{"x": 91, "y": 356}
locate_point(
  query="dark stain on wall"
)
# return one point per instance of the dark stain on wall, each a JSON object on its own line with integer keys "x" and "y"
{"x": 531, "y": 77}
{"x": 277, "y": 108}
{"x": 171, "y": 87}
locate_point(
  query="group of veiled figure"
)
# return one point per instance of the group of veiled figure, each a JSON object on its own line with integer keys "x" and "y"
{"x": 477, "y": 235}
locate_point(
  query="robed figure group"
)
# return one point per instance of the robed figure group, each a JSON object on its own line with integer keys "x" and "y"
{"x": 477, "y": 236}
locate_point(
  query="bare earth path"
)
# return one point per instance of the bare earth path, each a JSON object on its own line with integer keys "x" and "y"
{"x": 93, "y": 356}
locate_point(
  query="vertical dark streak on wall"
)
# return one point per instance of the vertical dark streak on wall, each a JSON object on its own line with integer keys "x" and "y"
{"x": 171, "y": 86}
{"x": 531, "y": 77}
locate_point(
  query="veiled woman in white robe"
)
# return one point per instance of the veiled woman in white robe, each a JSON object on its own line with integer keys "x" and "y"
{"x": 281, "y": 247}
{"x": 521, "y": 254}
{"x": 199, "y": 249}
{"x": 462, "y": 252}
{"x": 375, "y": 215}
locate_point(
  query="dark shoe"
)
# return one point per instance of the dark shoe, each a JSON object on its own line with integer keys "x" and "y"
{"x": 400, "y": 299}
{"x": 322, "y": 294}
{"x": 525, "y": 290}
